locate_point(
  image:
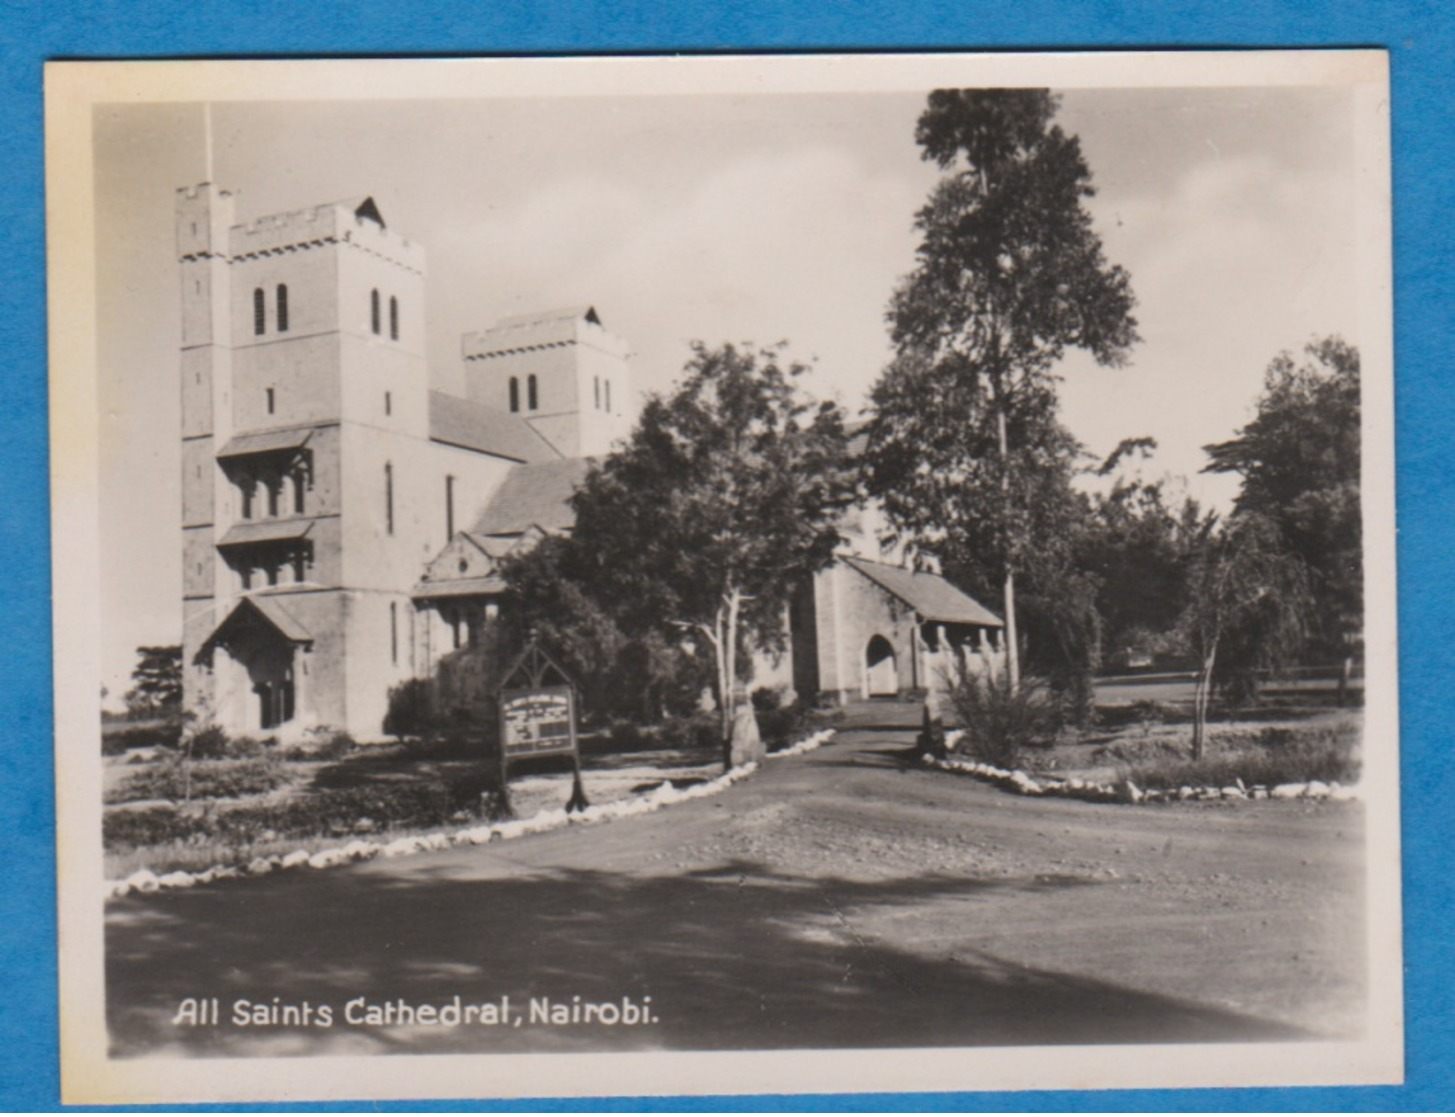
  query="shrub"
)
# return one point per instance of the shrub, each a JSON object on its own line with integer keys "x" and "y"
{"x": 999, "y": 722}
{"x": 1328, "y": 754}
{"x": 146, "y": 826}
{"x": 626, "y": 735}
{"x": 411, "y": 709}
{"x": 766, "y": 700}
{"x": 318, "y": 814}
{"x": 210, "y": 742}
{"x": 117, "y": 736}
{"x": 699, "y": 731}
{"x": 324, "y": 746}
{"x": 779, "y": 727}
{"x": 207, "y": 779}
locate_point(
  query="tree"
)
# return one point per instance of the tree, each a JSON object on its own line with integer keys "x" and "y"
{"x": 1140, "y": 548}
{"x": 727, "y": 495}
{"x": 157, "y": 681}
{"x": 1300, "y": 462}
{"x": 1247, "y": 610}
{"x": 1010, "y": 274}
{"x": 1056, "y": 596}
{"x": 553, "y": 594}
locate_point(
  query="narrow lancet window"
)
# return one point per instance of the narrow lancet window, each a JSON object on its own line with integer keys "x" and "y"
{"x": 282, "y": 308}
{"x": 260, "y": 312}
{"x": 514, "y": 393}
{"x": 374, "y": 310}
{"x": 532, "y": 400}
{"x": 389, "y": 496}
{"x": 393, "y": 318}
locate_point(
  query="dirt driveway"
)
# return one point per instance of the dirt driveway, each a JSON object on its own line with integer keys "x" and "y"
{"x": 843, "y": 898}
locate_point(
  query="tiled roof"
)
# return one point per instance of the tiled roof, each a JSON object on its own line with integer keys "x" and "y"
{"x": 534, "y": 495}
{"x": 265, "y": 531}
{"x": 929, "y": 595}
{"x": 474, "y": 426}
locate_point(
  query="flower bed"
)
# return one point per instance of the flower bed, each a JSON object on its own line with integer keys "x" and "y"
{"x": 1022, "y": 783}
{"x": 665, "y": 794}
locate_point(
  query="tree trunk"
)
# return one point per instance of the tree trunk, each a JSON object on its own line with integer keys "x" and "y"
{"x": 1012, "y": 636}
{"x": 1200, "y": 702}
{"x": 729, "y": 655}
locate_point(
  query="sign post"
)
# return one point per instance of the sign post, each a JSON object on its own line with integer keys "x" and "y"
{"x": 538, "y": 718}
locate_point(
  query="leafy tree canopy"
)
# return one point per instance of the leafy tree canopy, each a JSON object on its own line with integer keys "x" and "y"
{"x": 1010, "y": 272}
{"x": 156, "y": 679}
{"x": 728, "y": 493}
{"x": 1299, "y": 460}
{"x": 964, "y": 444}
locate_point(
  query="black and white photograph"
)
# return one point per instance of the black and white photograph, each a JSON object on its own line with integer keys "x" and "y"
{"x": 662, "y": 576}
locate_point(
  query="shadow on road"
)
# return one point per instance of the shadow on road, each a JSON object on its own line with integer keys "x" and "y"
{"x": 733, "y": 958}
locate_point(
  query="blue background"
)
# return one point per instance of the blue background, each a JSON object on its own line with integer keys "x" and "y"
{"x": 1420, "y": 37}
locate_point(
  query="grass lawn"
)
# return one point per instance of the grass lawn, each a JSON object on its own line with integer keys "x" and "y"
{"x": 163, "y": 815}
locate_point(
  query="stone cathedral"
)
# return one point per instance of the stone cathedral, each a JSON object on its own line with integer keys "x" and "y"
{"x": 342, "y": 520}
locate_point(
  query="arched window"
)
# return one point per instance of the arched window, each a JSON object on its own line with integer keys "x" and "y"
{"x": 532, "y": 401}
{"x": 282, "y": 308}
{"x": 374, "y": 310}
{"x": 393, "y": 318}
{"x": 515, "y": 393}
{"x": 608, "y": 395}
{"x": 272, "y": 400}
{"x": 260, "y": 311}
{"x": 596, "y": 390}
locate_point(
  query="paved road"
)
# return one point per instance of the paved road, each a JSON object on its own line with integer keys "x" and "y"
{"x": 837, "y": 899}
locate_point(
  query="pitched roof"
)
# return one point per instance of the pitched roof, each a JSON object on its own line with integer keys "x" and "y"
{"x": 929, "y": 595}
{"x": 284, "y": 621}
{"x": 536, "y": 495}
{"x": 474, "y": 426}
{"x": 271, "y": 610}
{"x": 366, "y": 208}
{"x": 265, "y": 531}
{"x": 459, "y": 587}
{"x": 262, "y": 442}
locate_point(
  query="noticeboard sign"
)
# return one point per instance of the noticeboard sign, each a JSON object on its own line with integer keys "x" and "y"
{"x": 537, "y": 721}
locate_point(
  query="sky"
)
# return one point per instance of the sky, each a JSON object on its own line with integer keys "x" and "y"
{"x": 753, "y": 218}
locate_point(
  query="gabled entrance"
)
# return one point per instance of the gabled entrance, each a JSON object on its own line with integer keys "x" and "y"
{"x": 259, "y": 667}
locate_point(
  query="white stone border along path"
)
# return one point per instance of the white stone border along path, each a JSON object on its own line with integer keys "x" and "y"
{"x": 1127, "y": 792}
{"x": 664, "y": 795}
